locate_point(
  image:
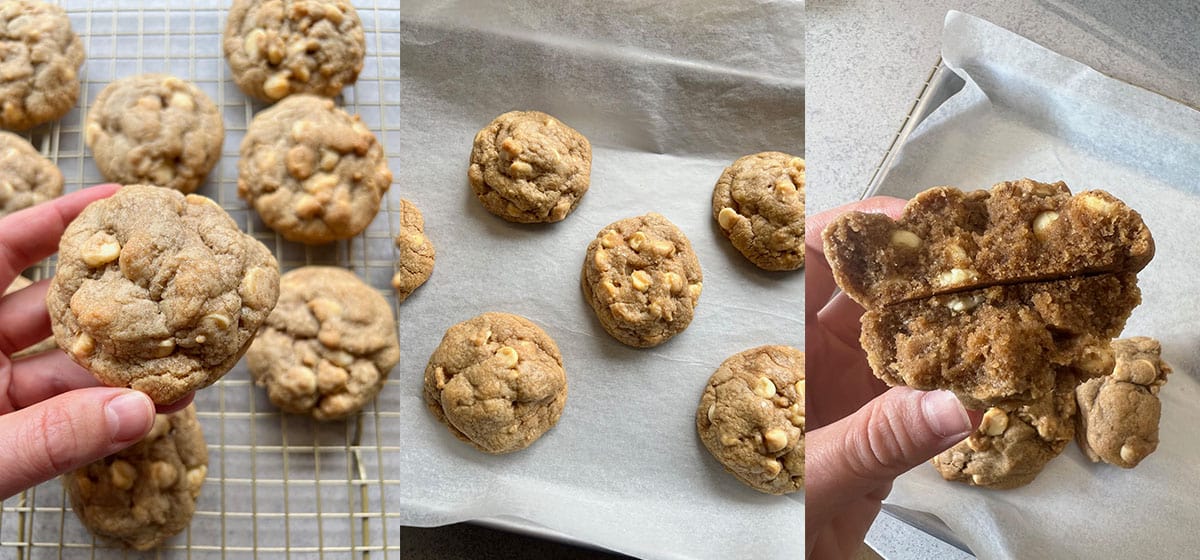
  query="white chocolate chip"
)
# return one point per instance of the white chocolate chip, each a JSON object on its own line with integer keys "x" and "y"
{"x": 329, "y": 159}
{"x": 640, "y": 280}
{"x": 508, "y": 357}
{"x": 636, "y": 240}
{"x": 252, "y": 44}
{"x": 123, "y": 474}
{"x": 764, "y": 388}
{"x": 325, "y": 309}
{"x": 601, "y": 260}
{"x": 994, "y": 422}
{"x": 772, "y": 468}
{"x": 182, "y": 100}
{"x": 977, "y": 479}
{"x": 219, "y": 320}
{"x": 163, "y": 474}
{"x": 83, "y": 346}
{"x": 610, "y": 289}
{"x": 307, "y": 206}
{"x": 321, "y": 182}
{"x": 784, "y": 187}
{"x": 511, "y": 147}
{"x": 520, "y": 169}
{"x": 277, "y": 85}
{"x": 775, "y": 439}
{"x": 333, "y": 14}
{"x": 92, "y": 133}
{"x": 100, "y": 249}
{"x": 727, "y": 217}
{"x": 1095, "y": 203}
{"x": 195, "y": 478}
{"x": 675, "y": 282}
{"x": 610, "y": 239}
{"x": 695, "y": 289}
{"x": 663, "y": 248}
{"x": 1128, "y": 454}
{"x": 956, "y": 277}
{"x": 712, "y": 412}
{"x": 164, "y": 348}
{"x": 1041, "y": 224}
{"x": 905, "y": 238}
{"x": 964, "y": 303}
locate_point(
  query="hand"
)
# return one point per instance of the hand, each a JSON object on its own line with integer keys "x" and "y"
{"x": 861, "y": 435}
{"x": 54, "y": 417}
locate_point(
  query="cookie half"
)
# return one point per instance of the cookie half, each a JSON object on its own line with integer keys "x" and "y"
{"x": 415, "y": 263}
{"x": 39, "y": 77}
{"x": 759, "y": 204}
{"x": 1119, "y": 412}
{"x": 26, "y": 176}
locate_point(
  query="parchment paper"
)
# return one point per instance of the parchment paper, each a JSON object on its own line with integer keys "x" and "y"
{"x": 668, "y": 95}
{"x": 1028, "y": 112}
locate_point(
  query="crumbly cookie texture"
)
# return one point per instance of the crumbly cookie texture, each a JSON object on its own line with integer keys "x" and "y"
{"x": 1013, "y": 444}
{"x": 759, "y": 204}
{"x": 20, "y": 283}
{"x": 642, "y": 279}
{"x": 497, "y": 382}
{"x": 327, "y": 347}
{"x": 415, "y": 263}
{"x": 145, "y": 494}
{"x": 313, "y": 172}
{"x": 1001, "y": 344}
{"x": 39, "y": 66}
{"x": 950, "y": 241}
{"x": 155, "y": 129}
{"x": 277, "y": 48}
{"x": 1119, "y": 413}
{"x": 529, "y": 167}
{"x": 751, "y": 418}
{"x": 159, "y": 291}
{"x": 26, "y": 176}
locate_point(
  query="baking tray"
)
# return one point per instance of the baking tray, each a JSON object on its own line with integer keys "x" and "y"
{"x": 278, "y": 486}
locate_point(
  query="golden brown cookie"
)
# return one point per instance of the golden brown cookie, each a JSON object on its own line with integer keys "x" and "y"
{"x": 751, "y": 418}
{"x": 313, "y": 172}
{"x": 327, "y": 347}
{"x": 143, "y": 495}
{"x": 759, "y": 204}
{"x": 415, "y": 262}
{"x": 1119, "y": 413}
{"x": 281, "y": 47}
{"x": 497, "y": 382}
{"x": 159, "y": 291}
{"x": 26, "y": 176}
{"x": 1013, "y": 444}
{"x": 529, "y": 167}
{"x": 642, "y": 279}
{"x": 155, "y": 129}
{"x": 40, "y": 57}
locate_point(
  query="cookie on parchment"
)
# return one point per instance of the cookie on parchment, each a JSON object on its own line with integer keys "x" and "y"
{"x": 40, "y": 57}
{"x": 759, "y": 204}
{"x": 417, "y": 254}
{"x": 26, "y": 176}
{"x": 155, "y": 129}
{"x": 1119, "y": 412}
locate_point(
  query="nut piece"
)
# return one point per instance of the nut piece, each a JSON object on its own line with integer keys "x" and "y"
{"x": 775, "y": 439}
{"x": 1096, "y": 204}
{"x": 640, "y": 280}
{"x": 765, "y": 388}
{"x": 727, "y": 217}
{"x": 994, "y": 422}
{"x": 100, "y": 249}
{"x": 905, "y": 238}
{"x": 123, "y": 474}
{"x": 219, "y": 320}
{"x": 1041, "y": 224}
{"x": 772, "y": 467}
{"x": 508, "y": 357}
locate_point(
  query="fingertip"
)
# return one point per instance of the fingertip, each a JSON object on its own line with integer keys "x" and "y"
{"x": 945, "y": 415}
{"x": 129, "y": 415}
{"x": 176, "y": 406}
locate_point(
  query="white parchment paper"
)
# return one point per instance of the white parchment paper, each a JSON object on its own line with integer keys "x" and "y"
{"x": 1028, "y": 112}
{"x": 668, "y": 94}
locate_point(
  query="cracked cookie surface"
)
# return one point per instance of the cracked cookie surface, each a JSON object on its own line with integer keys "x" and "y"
{"x": 415, "y": 263}
{"x": 759, "y": 204}
{"x": 497, "y": 382}
{"x": 277, "y": 48}
{"x": 146, "y": 493}
{"x": 155, "y": 129}
{"x": 40, "y": 57}
{"x": 528, "y": 167}
{"x": 642, "y": 279}
{"x": 159, "y": 291}
{"x": 26, "y": 176}
{"x": 751, "y": 418}
{"x": 327, "y": 347}
{"x": 1119, "y": 412}
{"x": 313, "y": 172}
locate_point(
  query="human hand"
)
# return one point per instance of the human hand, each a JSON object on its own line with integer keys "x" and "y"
{"x": 861, "y": 435}
{"x": 54, "y": 416}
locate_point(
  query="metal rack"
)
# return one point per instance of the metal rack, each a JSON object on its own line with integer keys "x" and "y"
{"x": 278, "y": 485}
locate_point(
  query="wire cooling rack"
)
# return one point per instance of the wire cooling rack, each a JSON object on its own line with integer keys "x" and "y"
{"x": 278, "y": 486}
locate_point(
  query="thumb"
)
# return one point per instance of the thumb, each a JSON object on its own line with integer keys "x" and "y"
{"x": 859, "y": 455}
{"x": 68, "y": 431}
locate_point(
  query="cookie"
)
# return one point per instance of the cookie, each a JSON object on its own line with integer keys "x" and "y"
{"x": 1119, "y": 413}
{"x": 328, "y": 346}
{"x": 415, "y": 263}
{"x": 950, "y": 241}
{"x": 40, "y": 57}
{"x": 497, "y": 382}
{"x": 277, "y": 48}
{"x": 20, "y": 283}
{"x": 751, "y": 418}
{"x": 759, "y": 204}
{"x": 1001, "y": 344}
{"x": 313, "y": 172}
{"x": 26, "y": 177}
{"x": 145, "y": 494}
{"x": 529, "y": 167}
{"x": 159, "y": 291}
{"x": 1012, "y": 445}
{"x": 642, "y": 279}
{"x": 155, "y": 129}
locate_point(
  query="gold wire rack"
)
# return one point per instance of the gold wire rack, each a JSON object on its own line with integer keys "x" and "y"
{"x": 278, "y": 486}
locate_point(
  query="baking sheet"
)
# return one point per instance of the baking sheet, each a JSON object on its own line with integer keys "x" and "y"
{"x": 1026, "y": 111}
{"x": 668, "y": 94}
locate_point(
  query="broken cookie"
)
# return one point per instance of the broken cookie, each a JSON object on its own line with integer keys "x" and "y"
{"x": 1119, "y": 413}
{"x": 415, "y": 263}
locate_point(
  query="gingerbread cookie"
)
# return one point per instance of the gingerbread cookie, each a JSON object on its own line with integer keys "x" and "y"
{"x": 759, "y": 204}
{"x": 327, "y": 347}
{"x": 751, "y": 418}
{"x": 415, "y": 263}
{"x": 529, "y": 167}
{"x": 497, "y": 382}
{"x": 277, "y": 48}
{"x": 1119, "y": 413}
{"x": 40, "y": 57}
{"x": 155, "y": 129}
{"x": 313, "y": 172}
{"x": 642, "y": 279}
{"x": 145, "y": 494}
{"x": 26, "y": 177}
{"x": 159, "y": 291}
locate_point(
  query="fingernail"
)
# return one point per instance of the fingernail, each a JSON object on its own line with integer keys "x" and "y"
{"x": 129, "y": 416}
{"x": 944, "y": 414}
